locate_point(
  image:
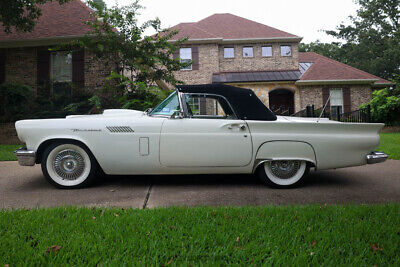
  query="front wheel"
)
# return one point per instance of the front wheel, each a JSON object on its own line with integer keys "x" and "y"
{"x": 283, "y": 173}
{"x": 68, "y": 165}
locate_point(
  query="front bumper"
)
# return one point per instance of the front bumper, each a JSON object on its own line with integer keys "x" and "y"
{"x": 25, "y": 157}
{"x": 376, "y": 157}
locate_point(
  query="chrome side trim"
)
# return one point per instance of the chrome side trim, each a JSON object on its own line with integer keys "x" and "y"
{"x": 25, "y": 157}
{"x": 120, "y": 129}
{"x": 258, "y": 162}
{"x": 376, "y": 157}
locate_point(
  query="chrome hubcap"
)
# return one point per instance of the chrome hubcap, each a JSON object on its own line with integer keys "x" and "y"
{"x": 69, "y": 164}
{"x": 284, "y": 169}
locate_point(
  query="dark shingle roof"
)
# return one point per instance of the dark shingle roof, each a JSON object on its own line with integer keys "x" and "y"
{"x": 56, "y": 21}
{"x": 228, "y": 26}
{"x": 324, "y": 68}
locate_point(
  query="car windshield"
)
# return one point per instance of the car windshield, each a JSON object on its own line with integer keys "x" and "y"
{"x": 168, "y": 106}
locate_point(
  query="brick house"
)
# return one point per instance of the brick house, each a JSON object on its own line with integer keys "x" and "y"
{"x": 225, "y": 48}
{"x": 25, "y": 57}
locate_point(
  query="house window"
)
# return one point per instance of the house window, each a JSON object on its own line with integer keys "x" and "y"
{"x": 286, "y": 50}
{"x": 248, "y": 51}
{"x": 266, "y": 51}
{"x": 208, "y": 107}
{"x": 194, "y": 105}
{"x": 61, "y": 67}
{"x": 336, "y": 101}
{"x": 229, "y": 52}
{"x": 185, "y": 55}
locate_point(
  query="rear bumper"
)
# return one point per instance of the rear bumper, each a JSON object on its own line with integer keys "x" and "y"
{"x": 25, "y": 157}
{"x": 376, "y": 157}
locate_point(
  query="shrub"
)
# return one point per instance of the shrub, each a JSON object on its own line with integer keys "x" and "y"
{"x": 385, "y": 106}
{"x": 15, "y": 101}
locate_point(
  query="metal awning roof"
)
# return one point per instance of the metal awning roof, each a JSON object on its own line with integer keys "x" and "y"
{"x": 261, "y": 76}
{"x": 257, "y": 76}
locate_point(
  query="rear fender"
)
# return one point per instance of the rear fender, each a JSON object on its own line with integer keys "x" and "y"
{"x": 285, "y": 150}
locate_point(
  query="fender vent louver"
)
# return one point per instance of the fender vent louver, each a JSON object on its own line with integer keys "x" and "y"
{"x": 120, "y": 129}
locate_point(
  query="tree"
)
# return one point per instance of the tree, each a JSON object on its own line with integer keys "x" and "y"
{"x": 331, "y": 50}
{"x": 372, "y": 38}
{"x": 21, "y": 14}
{"x": 140, "y": 61}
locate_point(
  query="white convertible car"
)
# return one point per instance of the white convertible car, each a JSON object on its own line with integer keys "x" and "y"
{"x": 198, "y": 129}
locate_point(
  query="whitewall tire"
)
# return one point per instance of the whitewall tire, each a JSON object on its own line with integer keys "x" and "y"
{"x": 283, "y": 173}
{"x": 68, "y": 165}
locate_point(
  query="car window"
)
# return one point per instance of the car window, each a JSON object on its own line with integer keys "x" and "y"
{"x": 208, "y": 107}
{"x": 168, "y": 106}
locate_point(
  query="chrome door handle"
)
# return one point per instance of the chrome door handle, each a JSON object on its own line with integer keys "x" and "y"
{"x": 242, "y": 127}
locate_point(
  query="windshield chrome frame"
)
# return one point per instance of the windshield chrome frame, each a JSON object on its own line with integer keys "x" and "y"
{"x": 179, "y": 94}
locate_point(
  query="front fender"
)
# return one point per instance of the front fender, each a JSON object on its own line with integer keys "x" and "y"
{"x": 285, "y": 150}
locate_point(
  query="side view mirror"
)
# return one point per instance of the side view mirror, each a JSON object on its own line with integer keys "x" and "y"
{"x": 177, "y": 115}
{"x": 147, "y": 111}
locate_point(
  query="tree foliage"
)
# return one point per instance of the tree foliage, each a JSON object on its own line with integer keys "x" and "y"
{"x": 21, "y": 14}
{"x": 385, "y": 104}
{"x": 372, "y": 38}
{"x": 140, "y": 62}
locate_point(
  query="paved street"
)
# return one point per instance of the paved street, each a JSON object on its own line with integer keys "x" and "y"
{"x": 26, "y": 187}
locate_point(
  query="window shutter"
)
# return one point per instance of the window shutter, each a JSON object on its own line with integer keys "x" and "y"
{"x": 176, "y": 54}
{"x": 346, "y": 99}
{"x": 43, "y": 71}
{"x": 78, "y": 68}
{"x": 195, "y": 58}
{"x": 325, "y": 96}
{"x": 2, "y": 68}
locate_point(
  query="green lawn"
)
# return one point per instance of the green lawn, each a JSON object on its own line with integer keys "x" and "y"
{"x": 279, "y": 235}
{"x": 390, "y": 144}
{"x": 6, "y": 152}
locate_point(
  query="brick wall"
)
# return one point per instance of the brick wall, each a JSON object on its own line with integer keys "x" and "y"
{"x": 360, "y": 94}
{"x": 312, "y": 95}
{"x": 96, "y": 71}
{"x": 208, "y": 64}
{"x": 258, "y": 62}
{"x": 21, "y": 67}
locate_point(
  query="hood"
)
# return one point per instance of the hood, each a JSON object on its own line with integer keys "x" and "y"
{"x": 111, "y": 113}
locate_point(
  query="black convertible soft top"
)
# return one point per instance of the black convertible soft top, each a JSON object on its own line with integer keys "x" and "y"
{"x": 244, "y": 101}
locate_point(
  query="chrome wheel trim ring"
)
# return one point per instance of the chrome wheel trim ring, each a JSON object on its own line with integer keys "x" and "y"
{"x": 285, "y": 172}
{"x": 68, "y": 165}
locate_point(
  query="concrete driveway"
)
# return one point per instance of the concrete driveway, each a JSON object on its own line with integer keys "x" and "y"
{"x": 26, "y": 187}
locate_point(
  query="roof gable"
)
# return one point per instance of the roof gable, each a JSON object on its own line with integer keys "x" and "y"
{"x": 228, "y": 26}
{"x": 56, "y": 21}
{"x": 324, "y": 68}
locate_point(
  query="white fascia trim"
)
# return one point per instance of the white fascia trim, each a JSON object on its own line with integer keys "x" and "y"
{"x": 350, "y": 81}
{"x": 243, "y": 40}
{"x": 38, "y": 41}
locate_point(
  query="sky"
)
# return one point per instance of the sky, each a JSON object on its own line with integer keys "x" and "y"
{"x": 305, "y": 18}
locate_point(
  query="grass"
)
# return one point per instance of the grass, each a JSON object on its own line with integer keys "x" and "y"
{"x": 6, "y": 152}
{"x": 281, "y": 235}
{"x": 390, "y": 144}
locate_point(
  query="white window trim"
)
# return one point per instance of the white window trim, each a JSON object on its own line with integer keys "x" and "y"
{"x": 191, "y": 59}
{"x": 252, "y": 48}
{"x": 272, "y": 51}
{"x": 52, "y": 65}
{"x": 330, "y": 101}
{"x": 291, "y": 51}
{"x": 233, "y": 52}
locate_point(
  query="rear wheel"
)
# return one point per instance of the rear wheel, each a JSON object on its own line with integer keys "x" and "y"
{"x": 283, "y": 173}
{"x": 68, "y": 165}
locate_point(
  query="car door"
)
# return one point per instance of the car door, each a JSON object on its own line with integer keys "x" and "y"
{"x": 209, "y": 136}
